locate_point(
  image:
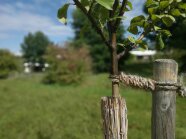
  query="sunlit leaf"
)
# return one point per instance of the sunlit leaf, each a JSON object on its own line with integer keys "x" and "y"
{"x": 106, "y": 3}
{"x": 160, "y": 43}
{"x": 182, "y": 6}
{"x": 151, "y": 3}
{"x": 175, "y": 12}
{"x": 62, "y": 13}
{"x": 130, "y": 5}
{"x": 86, "y": 4}
{"x": 156, "y": 28}
{"x": 164, "y": 4}
{"x": 168, "y": 20}
{"x": 131, "y": 39}
{"x": 155, "y": 18}
{"x": 167, "y": 33}
{"x": 152, "y": 10}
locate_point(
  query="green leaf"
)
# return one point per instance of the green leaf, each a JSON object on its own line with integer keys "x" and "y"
{"x": 183, "y": 15}
{"x": 155, "y": 18}
{"x": 167, "y": 33}
{"x": 163, "y": 4}
{"x": 103, "y": 14}
{"x": 106, "y": 3}
{"x": 160, "y": 43}
{"x": 130, "y": 5}
{"x": 86, "y": 4}
{"x": 131, "y": 39}
{"x": 62, "y": 13}
{"x": 175, "y": 12}
{"x": 182, "y": 6}
{"x": 168, "y": 20}
{"x": 138, "y": 41}
{"x": 146, "y": 26}
{"x": 120, "y": 44}
{"x": 151, "y": 4}
{"x": 127, "y": 9}
{"x": 171, "y": 1}
{"x": 156, "y": 28}
{"x": 152, "y": 10}
{"x": 138, "y": 19}
{"x": 133, "y": 29}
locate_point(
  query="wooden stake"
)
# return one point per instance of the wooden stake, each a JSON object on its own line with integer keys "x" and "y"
{"x": 114, "y": 114}
{"x": 164, "y": 101}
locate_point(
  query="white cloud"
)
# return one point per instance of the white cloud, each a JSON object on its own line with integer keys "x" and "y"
{"x": 17, "y": 18}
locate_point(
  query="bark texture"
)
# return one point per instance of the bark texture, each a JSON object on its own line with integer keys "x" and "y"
{"x": 114, "y": 114}
{"x": 114, "y": 68}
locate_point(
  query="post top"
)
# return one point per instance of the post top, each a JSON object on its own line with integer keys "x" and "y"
{"x": 165, "y": 70}
{"x": 165, "y": 61}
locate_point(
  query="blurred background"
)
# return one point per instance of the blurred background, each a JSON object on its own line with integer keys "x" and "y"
{"x": 52, "y": 76}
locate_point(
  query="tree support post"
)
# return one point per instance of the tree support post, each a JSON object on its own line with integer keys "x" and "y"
{"x": 164, "y": 99}
{"x": 114, "y": 115}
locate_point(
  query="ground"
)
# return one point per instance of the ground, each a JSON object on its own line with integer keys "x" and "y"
{"x": 32, "y": 110}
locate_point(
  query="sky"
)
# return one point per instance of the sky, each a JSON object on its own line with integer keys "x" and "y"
{"x": 19, "y": 17}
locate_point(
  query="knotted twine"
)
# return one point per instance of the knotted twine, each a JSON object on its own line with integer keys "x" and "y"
{"x": 147, "y": 83}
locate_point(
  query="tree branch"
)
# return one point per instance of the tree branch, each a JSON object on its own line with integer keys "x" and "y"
{"x": 91, "y": 19}
{"x": 92, "y": 4}
{"x": 110, "y": 24}
{"x": 131, "y": 46}
{"x": 121, "y": 13}
{"x": 116, "y": 4}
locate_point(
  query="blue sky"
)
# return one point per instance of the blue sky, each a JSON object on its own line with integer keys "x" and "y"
{"x": 18, "y": 17}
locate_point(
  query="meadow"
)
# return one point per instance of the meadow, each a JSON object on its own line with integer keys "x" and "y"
{"x": 32, "y": 110}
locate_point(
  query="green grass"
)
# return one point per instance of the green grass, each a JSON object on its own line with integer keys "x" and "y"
{"x": 32, "y": 110}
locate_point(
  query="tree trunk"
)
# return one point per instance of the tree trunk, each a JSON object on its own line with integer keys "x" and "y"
{"x": 114, "y": 110}
{"x": 114, "y": 67}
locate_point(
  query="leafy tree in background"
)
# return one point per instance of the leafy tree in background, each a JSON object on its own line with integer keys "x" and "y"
{"x": 34, "y": 47}
{"x": 106, "y": 16}
{"x": 65, "y": 65}
{"x": 8, "y": 63}
{"x": 176, "y": 42}
{"x": 85, "y": 34}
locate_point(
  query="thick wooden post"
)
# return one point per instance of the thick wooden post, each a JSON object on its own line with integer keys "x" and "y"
{"x": 114, "y": 114}
{"x": 164, "y": 99}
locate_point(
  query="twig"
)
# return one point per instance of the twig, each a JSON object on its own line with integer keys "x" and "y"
{"x": 91, "y": 19}
{"x": 121, "y": 13}
{"x": 116, "y": 3}
{"x": 131, "y": 46}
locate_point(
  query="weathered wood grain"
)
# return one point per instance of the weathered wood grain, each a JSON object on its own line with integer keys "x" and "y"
{"x": 164, "y": 101}
{"x": 114, "y": 115}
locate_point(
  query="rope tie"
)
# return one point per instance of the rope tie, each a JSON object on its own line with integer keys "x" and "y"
{"x": 166, "y": 86}
{"x": 147, "y": 83}
{"x": 114, "y": 78}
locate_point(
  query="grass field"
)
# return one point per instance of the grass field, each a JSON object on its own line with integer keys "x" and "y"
{"x": 32, "y": 110}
